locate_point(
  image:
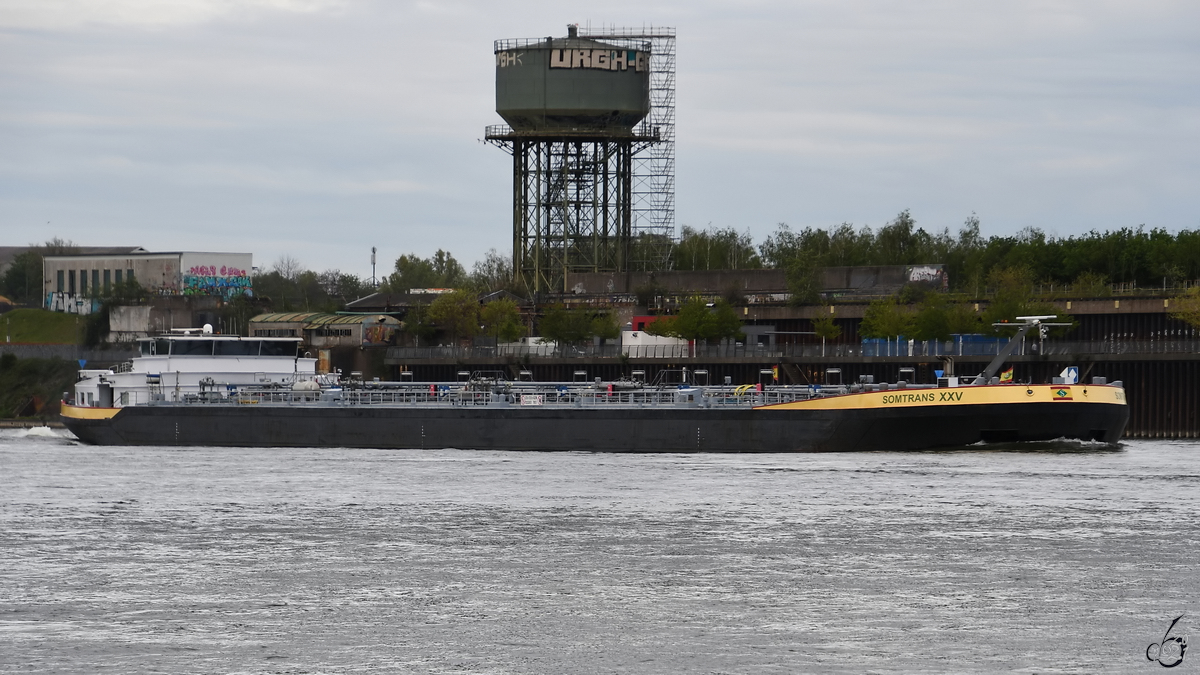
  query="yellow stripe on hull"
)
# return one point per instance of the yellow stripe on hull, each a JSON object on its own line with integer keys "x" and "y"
{"x": 961, "y": 396}
{"x": 85, "y": 413}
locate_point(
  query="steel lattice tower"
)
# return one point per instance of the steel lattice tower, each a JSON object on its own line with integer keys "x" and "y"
{"x": 590, "y": 194}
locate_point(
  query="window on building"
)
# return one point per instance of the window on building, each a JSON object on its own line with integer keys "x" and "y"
{"x": 71, "y": 282}
{"x": 83, "y": 282}
{"x": 95, "y": 279}
{"x": 129, "y": 275}
{"x": 107, "y": 279}
{"x": 118, "y": 273}
{"x": 59, "y": 288}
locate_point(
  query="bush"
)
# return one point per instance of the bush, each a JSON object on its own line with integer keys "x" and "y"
{"x": 32, "y": 387}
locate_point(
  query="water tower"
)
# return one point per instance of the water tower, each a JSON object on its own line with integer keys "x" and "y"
{"x": 581, "y": 112}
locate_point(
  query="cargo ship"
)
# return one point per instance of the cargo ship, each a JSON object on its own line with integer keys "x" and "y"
{"x": 193, "y": 388}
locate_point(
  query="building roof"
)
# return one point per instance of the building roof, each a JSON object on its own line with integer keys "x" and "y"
{"x": 313, "y": 319}
{"x": 7, "y": 253}
{"x": 502, "y": 295}
{"x": 391, "y": 302}
{"x": 286, "y": 317}
{"x": 134, "y": 252}
{"x": 333, "y": 319}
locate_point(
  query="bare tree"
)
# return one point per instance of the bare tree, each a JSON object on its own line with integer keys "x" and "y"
{"x": 287, "y": 267}
{"x": 493, "y": 272}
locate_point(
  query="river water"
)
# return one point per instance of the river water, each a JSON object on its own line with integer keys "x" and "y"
{"x": 1027, "y": 558}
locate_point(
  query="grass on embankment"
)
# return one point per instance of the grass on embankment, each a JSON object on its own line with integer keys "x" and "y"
{"x": 42, "y": 326}
{"x": 32, "y": 387}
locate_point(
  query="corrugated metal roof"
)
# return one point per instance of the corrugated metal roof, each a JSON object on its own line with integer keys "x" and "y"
{"x": 286, "y": 317}
{"x": 330, "y": 319}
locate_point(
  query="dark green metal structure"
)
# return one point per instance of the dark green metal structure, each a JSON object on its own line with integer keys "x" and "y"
{"x": 573, "y": 107}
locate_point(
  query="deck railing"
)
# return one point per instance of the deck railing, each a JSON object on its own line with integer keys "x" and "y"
{"x": 512, "y": 394}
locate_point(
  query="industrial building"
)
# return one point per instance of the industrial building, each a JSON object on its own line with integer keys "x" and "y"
{"x": 74, "y": 283}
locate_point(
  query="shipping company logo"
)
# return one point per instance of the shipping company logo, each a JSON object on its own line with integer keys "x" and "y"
{"x": 1169, "y": 651}
{"x": 1062, "y": 394}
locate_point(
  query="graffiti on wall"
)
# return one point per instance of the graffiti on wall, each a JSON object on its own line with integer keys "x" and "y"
{"x": 71, "y": 303}
{"x": 378, "y": 335}
{"x": 930, "y": 274}
{"x": 226, "y": 282}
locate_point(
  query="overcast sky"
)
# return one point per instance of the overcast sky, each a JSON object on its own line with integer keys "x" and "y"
{"x": 320, "y": 128}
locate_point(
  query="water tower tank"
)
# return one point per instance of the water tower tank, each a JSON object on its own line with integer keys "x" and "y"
{"x": 571, "y": 83}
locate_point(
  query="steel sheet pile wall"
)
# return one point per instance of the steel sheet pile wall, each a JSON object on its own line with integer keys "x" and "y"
{"x": 1164, "y": 396}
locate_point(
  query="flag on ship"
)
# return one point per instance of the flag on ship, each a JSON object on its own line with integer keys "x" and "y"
{"x": 1006, "y": 376}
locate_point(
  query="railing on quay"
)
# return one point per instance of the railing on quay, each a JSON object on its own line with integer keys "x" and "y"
{"x": 882, "y": 348}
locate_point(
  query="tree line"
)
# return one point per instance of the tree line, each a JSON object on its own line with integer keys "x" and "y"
{"x": 1146, "y": 258}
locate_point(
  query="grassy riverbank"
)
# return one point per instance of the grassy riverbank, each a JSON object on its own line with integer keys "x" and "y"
{"x": 42, "y": 326}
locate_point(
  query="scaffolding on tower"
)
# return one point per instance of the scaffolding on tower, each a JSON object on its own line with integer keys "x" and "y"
{"x": 654, "y": 168}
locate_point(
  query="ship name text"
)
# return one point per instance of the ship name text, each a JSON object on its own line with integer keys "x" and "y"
{"x": 925, "y": 397}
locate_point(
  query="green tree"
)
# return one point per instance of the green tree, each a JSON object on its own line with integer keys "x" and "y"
{"x": 439, "y": 271}
{"x": 1012, "y": 297}
{"x": 1148, "y": 258}
{"x": 1089, "y": 284}
{"x": 277, "y": 291}
{"x": 494, "y": 273}
{"x": 31, "y": 386}
{"x": 456, "y": 313}
{"x": 698, "y": 320}
{"x": 715, "y": 249}
{"x": 501, "y": 319}
{"x": 342, "y": 288}
{"x": 96, "y": 324}
{"x": 566, "y": 326}
{"x": 604, "y": 326}
{"x": 236, "y": 314}
{"x": 1186, "y": 307}
{"x": 826, "y": 328}
{"x": 804, "y": 279}
{"x": 651, "y": 252}
{"x": 418, "y": 325}
{"x": 885, "y": 319}
{"x": 23, "y": 279}
{"x": 938, "y": 318}
{"x": 289, "y": 287}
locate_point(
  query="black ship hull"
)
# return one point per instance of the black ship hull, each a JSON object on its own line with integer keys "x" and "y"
{"x": 616, "y": 429}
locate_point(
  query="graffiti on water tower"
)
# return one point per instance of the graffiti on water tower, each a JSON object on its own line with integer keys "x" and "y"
{"x": 599, "y": 59}
{"x": 591, "y": 59}
{"x": 226, "y": 282}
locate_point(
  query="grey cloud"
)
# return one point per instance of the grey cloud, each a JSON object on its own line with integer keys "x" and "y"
{"x": 318, "y": 129}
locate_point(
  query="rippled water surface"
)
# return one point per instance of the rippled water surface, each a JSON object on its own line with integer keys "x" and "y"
{"x": 1045, "y": 558}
